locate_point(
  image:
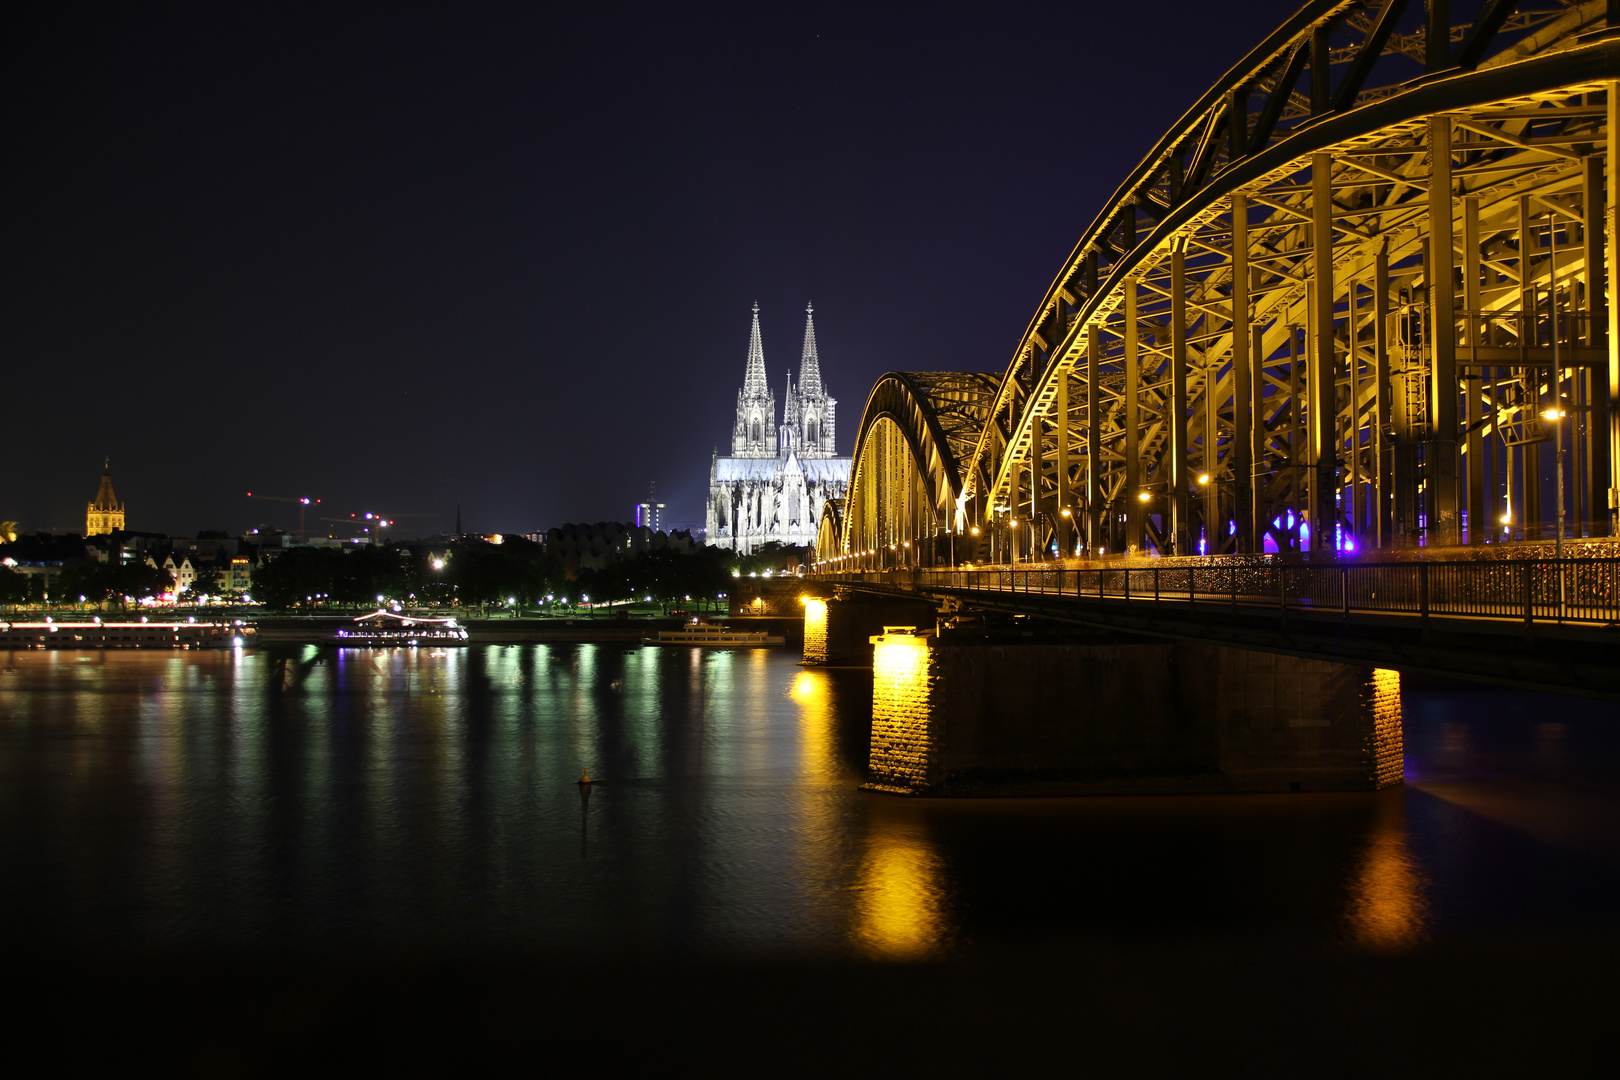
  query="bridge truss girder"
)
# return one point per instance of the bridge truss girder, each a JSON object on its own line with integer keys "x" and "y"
{"x": 906, "y": 483}
{"x": 1258, "y": 305}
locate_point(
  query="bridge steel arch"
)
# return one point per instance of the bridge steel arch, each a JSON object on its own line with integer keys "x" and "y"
{"x": 830, "y": 531}
{"x": 1334, "y": 302}
{"x": 906, "y": 485}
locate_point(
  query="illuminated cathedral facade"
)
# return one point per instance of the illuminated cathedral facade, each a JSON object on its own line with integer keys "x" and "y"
{"x": 778, "y": 476}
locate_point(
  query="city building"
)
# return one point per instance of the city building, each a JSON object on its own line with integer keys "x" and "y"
{"x": 650, "y": 514}
{"x": 106, "y": 513}
{"x": 773, "y": 484}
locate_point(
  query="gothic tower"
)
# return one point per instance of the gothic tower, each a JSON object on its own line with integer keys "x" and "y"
{"x": 813, "y": 411}
{"x": 754, "y": 434}
{"x": 106, "y": 513}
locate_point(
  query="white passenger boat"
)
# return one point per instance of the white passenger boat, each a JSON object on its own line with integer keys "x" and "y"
{"x": 386, "y": 629}
{"x": 50, "y": 634}
{"x": 712, "y": 636}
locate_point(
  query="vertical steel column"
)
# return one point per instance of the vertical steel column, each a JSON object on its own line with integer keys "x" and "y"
{"x": 1611, "y": 259}
{"x": 1442, "y": 464}
{"x": 1597, "y": 381}
{"x": 1241, "y": 457}
{"x": 1296, "y": 427}
{"x": 1179, "y": 422}
{"x": 1037, "y": 460}
{"x": 1321, "y": 64}
{"x": 1257, "y": 431}
{"x": 1323, "y": 411}
{"x": 1062, "y": 498}
{"x": 1213, "y": 533}
{"x": 1472, "y": 412}
{"x": 1094, "y": 509}
{"x": 1133, "y": 389}
{"x": 1383, "y": 489}
{"x": 1530, "y": 406}
{"x": 1353, "y": 316}
{"x": 1009, "y": 525}
{"x": 1437, "y": 35}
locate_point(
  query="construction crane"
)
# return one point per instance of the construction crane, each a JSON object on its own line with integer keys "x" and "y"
{"x": 373, "y": 523}
{"x": 304, "y": 502}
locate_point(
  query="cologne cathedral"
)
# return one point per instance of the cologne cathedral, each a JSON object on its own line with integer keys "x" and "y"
{"x": 777, "y": 477}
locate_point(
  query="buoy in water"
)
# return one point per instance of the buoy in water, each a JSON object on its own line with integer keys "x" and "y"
{"x": 584, "y": 778}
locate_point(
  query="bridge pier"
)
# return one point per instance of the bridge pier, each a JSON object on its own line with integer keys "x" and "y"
{"x": 1115, "y": 715}
{"x": 839, "y": 629}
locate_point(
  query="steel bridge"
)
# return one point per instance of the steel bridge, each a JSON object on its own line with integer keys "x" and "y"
{"x": 1354, "y": 299}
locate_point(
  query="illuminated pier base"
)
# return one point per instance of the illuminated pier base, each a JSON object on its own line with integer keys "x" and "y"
{"x": 1103, "y": 716}
{"x": 839, "y": 630}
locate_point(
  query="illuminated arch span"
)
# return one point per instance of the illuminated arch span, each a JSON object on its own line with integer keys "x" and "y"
{"x": 830, "y": 531}
{"x": 905, "y": 481}
{"x": 1324, "y": 297}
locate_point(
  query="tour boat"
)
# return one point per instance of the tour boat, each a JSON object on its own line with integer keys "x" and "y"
{"x": 385, "y": 629}
{"x": 123, "y": 635}
{"x": 711, "y": 636}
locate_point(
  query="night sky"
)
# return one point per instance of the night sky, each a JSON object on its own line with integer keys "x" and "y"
{"x": 402, "y": 256}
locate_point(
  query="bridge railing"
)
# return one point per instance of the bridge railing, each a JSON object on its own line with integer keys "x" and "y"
{"x": 1568, "y": 590}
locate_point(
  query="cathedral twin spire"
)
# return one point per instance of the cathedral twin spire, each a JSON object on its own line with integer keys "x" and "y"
{"x": 809, "y": 361}
{"x": 779, "y": 476}
{"x": 755, "y": 386}
{"x": 807, "y": 412}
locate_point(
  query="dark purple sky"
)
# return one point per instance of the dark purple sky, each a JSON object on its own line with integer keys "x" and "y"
{"x": 399, "y": 256}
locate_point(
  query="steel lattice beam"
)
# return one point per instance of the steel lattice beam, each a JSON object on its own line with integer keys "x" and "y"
{"x": 1328, "y": 318}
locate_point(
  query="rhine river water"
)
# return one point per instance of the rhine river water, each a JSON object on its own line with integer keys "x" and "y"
{"x": 312, "y": 804}
{"x": 427, "y": 798}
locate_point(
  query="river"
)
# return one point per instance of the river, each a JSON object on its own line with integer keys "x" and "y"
{"x": 423, "y": 803}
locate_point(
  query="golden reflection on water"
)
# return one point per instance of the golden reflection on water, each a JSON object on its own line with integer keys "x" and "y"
{"x": 1388, "y": 909}
{"x": 816, "y": 722}
{"x": 900, "y": 894}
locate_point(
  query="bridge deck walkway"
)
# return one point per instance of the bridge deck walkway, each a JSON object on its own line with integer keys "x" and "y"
{"x": 1543, "y": 624}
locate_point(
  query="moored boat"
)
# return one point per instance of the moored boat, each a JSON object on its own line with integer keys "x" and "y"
{"x": 712, "y": 636}
{"x": 386, "y": 629}
{"x": 97, "y": 634}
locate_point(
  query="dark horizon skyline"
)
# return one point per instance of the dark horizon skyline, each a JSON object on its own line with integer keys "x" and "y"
{"x": 402, "y": 257}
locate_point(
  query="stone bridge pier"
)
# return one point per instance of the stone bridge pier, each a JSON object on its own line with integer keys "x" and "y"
{"x": 985, "y": 714}
{"x": 838, "y": 629}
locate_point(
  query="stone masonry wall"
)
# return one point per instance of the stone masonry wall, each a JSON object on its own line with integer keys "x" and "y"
{"x": 1387, "y": 745}
{"x": 905, "y": 674}
{"x": 815, "y": 630}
